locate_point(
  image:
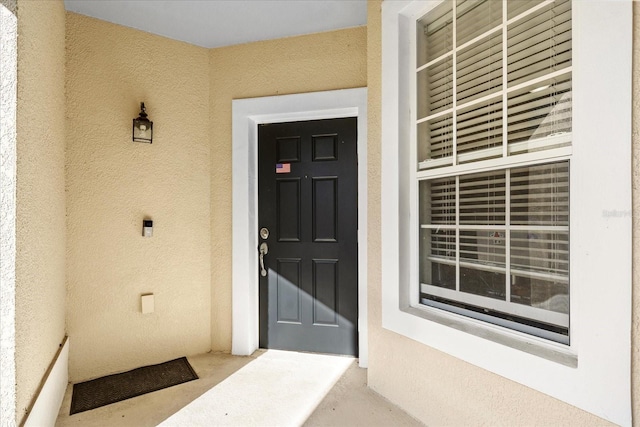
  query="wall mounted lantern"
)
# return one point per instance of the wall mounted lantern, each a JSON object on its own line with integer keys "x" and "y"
{"x": 142, "y": 127}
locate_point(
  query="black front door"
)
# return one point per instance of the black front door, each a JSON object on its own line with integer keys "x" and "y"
{"x": 308, "y": 220}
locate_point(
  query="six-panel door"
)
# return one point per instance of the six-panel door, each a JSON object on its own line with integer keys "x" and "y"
{"x": 307, "y": 196}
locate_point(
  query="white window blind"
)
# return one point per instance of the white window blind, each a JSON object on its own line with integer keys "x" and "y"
{"x": 493, "y": 84}
{"x": 473, "y": 69}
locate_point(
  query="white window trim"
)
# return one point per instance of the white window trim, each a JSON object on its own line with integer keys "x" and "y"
{"x": 582, "y": 374}
{"x": 246, "y": 116}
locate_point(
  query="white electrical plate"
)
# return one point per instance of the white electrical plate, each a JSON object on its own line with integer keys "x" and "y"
{"x": 147, "y": 303}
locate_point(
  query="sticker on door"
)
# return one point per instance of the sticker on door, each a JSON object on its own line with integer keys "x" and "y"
{"x": 283, "y": 167}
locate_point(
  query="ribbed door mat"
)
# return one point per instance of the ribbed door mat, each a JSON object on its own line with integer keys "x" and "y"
{"x": 114, "y": 388}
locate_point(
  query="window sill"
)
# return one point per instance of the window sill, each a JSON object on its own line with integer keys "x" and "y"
{"x": 496, "y": 334}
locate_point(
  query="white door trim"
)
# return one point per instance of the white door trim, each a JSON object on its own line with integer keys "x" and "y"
{"x": 247, "y": 115}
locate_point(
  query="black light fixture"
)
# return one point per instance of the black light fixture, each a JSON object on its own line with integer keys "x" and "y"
{"x": 142, "y": 127}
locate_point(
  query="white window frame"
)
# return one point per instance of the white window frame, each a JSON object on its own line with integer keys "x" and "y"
{"x": 581, "y": 373}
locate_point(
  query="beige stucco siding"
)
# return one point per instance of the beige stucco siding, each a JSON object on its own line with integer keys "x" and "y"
{"x": 435, "y": 387}
{"x": 635, "y": 327}
{"x": 8, "y": 160}
{"x": 114, "y": 183}
{"x": 40, "y": 227}
{"x": 316, "y": 62}
{"x": 183, "y": 182}
{"x": 40, "y": 194}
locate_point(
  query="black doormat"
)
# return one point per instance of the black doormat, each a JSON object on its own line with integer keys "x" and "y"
{"x": 114, "y": 388}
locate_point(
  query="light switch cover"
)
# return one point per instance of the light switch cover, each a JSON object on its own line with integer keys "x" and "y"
{"x": 147, "y": 303}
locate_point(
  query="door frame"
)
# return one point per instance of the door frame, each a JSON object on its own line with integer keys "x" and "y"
{"x": 247, "y": 114}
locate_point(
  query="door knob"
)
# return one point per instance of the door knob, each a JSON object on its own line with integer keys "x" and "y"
{"x": 264, "y": 249}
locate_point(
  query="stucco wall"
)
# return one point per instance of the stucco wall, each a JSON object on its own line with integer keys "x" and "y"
{"x": 40, "y": 194}
{"x": 317, "y": 62}
{"x": 635, "y": 331}
{"x": 435, "y": 387}
{"x": 8, "y": 97}
{"x": 113, "y": 183}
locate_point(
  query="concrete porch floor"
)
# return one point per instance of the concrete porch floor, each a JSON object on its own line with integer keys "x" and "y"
{"x": 349, "y": 402}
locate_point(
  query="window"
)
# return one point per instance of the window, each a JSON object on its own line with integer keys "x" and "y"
{"x": 490, "y": 110}
{"x": 506, "y": 190}
{"x": 493, "y": 90}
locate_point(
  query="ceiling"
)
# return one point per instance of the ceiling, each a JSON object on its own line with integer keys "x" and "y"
{"x": 216, "y": 23}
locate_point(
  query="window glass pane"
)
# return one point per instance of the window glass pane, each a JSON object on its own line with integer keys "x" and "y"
{"x": 435, "y": 141}
{"x": 438, "y": 202}
{"x": 482, "y": 263}
{"x": 516, "y": 7}
{"x": 540, "y": 269}
{"x": 540, "y": 195}
{"x": 479, "y": 69}
{"x": 482, "y": 282}
{"x": 479, "y": 131}
{"x": 540, "y": 43}
{"x": 438, "y": 257}
{"x": 476, "y": 17}
{"x": 540, "y": 115}
{"x": 482, "y": 198}
{"x": 438, "y": 246}
{"x": 434, "y": 33}
{"x": 435, "y": 88}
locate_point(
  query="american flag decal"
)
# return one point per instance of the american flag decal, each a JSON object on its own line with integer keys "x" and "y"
{"x": 283, "y": 167}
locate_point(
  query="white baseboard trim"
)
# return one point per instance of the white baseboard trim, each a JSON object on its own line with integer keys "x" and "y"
{"x": 44, "y": 411}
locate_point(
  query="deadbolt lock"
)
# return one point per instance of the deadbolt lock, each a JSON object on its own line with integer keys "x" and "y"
{"x": 264, "y": 233}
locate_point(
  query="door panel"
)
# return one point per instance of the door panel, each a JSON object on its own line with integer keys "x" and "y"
{"x": 325, "y": 292}
{"x": 325, "y": 205}
{"x": 288, "y": 209}
{"x": 307, "y": 198}
{"x": 288, "y": 150}
{"x": 325, "y": 147}
{"x": 288, "y": 290}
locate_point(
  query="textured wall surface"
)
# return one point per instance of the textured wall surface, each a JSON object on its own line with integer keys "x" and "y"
{"x": 8, "y": 148}
{"x": 317, "y": 62}
{"x": 40, "y": 226}
{"x": 183, "y": 182}
{"x": 113, "y": 183}
{"x": 635, "y": 331}
{"x": 432, "y": 386}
